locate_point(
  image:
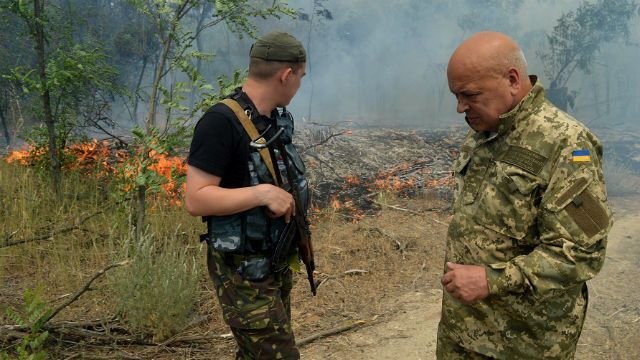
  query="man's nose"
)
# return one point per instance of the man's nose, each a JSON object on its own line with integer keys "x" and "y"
{"x": 462, "y": 106}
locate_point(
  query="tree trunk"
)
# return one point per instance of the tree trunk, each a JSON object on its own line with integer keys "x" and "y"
{"x": 150, "y": 121}
{"x": 145, "y": 60}
{"x": 54, "y": 161}
{"x": 206, "y": 9}
{"x": 5, "y": 128}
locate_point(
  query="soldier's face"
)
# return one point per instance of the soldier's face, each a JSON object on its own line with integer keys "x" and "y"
{"x": 482, "y": 98}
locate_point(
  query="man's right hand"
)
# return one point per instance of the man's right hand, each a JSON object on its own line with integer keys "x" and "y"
{"x": 278, "y": 201}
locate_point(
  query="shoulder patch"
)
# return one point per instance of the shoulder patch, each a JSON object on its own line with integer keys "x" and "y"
{"x": 588, "y": 213}
{"x": 525, "y": 159}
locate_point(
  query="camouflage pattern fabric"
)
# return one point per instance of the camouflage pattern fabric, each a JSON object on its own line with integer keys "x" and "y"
{"x": 535, "y": 216}
{"x": 258, "y": 313}
{"x": 450, "y": 350}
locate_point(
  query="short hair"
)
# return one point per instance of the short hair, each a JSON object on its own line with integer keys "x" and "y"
{"x": 263, "y": 69}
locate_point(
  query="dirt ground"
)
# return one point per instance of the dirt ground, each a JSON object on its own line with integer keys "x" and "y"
{"x": 612, "y": 328}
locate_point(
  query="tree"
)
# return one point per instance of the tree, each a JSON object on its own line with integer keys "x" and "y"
{"x": 70, "y": 77}
{"x": 576, "y": 40}
{"x": 176, "y": 55}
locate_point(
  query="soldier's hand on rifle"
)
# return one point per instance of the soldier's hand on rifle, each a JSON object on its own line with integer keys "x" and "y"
{"x": 278, "y": 201}
{"x": 467, "y": 283}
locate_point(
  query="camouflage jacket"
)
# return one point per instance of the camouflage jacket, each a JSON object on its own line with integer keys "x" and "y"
{"x": 530, "y": 205}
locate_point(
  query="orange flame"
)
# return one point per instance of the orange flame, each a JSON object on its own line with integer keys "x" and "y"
{"x": 335, "y": 204}
{"x": 22, "y": 157}
{"x": 92, "y": 154}
{"x": 353, "y": 180}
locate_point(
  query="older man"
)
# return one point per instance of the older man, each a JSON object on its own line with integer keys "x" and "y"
{"x": 530, "y": 217}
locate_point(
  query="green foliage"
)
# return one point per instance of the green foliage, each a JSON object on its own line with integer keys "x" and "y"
{"x": 225, "y": 87}
{"x": 35, "y": 312}
{"x": 158, "y": 291}
{"x": 238, "y": 13}
{"x": 168, "y": 17}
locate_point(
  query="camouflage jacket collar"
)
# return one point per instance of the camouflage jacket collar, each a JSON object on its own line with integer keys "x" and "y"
{"x": 533, "y": 100}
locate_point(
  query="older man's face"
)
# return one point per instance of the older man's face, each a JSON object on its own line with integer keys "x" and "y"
{"x": 482, "y": 97}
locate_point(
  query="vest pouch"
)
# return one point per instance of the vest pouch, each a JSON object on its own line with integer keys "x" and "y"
{"x": 295, "y": 158}
{"x": 255, "y": 269}
{"x": 225, "y": 232}
{"x": 299, "y": 167}
{"x": 257, "y": 230}
{"x": 305, "y": 194}
{"x": 260, "y": 168}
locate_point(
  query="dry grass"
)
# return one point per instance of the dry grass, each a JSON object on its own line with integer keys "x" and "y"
{"x": 399, "y": 250}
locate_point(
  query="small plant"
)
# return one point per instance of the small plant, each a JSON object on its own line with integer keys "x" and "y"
{"x": 35, "y": 314}
{"x": 158, "y": 290}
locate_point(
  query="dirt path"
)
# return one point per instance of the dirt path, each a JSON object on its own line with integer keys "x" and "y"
{"x": 612, "y": 328}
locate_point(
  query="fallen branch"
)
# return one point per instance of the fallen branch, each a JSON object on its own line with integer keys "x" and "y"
{"x": 330, "y": 332}
{"x": 396, "y": 207}
{"x": 74, "y": 226}
{"x": 355, "y": 271}
{"x": 439, "y": 222}
{"x": 199, "y": 338}
{"x": 82, "y": 290}
{"x": 324, "y": 140}
{"x": 193, "y": 323}
{"x": 346, "y": 273}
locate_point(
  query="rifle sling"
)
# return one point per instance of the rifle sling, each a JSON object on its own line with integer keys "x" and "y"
{"x": 251, "y": 130}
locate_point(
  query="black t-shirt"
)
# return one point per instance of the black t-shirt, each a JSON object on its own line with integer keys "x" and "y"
{"x": 220, "y": 145}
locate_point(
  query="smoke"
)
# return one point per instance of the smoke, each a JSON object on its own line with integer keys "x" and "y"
{"x": 383, "y": 63}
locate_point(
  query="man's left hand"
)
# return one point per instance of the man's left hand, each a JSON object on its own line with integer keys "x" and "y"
{"x": 467, "y": 283}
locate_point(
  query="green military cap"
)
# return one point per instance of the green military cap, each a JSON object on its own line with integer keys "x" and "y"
{"x": 278, "y": 46}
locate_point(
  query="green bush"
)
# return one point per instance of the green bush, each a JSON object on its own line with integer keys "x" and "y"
{"x": 158, "y": 290}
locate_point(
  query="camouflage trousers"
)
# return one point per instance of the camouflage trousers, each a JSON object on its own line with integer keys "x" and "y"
{"x": 258, "y": 312}
{"x": 447, "y": 349}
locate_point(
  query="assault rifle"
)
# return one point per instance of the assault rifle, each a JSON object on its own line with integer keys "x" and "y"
{"x": 299, "y": 222}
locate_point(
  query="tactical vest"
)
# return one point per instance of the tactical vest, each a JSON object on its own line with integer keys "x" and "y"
{"x": 252, "y": 234}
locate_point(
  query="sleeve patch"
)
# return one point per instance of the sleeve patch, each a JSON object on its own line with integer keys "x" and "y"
{"x": 577, "y": 187}
{"x": 525, "y": 159}
{"x": 581, "y": 156}
{"x": 588, "y": 213}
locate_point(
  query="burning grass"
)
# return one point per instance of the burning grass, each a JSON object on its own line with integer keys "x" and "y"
{"x": 105, "y": 162}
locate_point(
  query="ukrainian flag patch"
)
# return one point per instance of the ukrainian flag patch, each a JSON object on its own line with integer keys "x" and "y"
{"x": 581, "y": 156}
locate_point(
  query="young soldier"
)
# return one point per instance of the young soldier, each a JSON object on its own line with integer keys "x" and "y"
{"x": 530, "y": 216}
{"x": 239, "y": 186}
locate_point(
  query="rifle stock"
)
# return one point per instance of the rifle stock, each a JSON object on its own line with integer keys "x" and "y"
{"x": 305, "y": 248}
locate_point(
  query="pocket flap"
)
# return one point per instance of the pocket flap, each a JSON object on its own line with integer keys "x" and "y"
{"x": 557, "y": 199}
{"x": 519, "y": 179}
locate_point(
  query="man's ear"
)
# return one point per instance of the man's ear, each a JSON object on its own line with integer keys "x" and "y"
{"x": 514, "y": 81}
{"x": 285, "y": 75}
